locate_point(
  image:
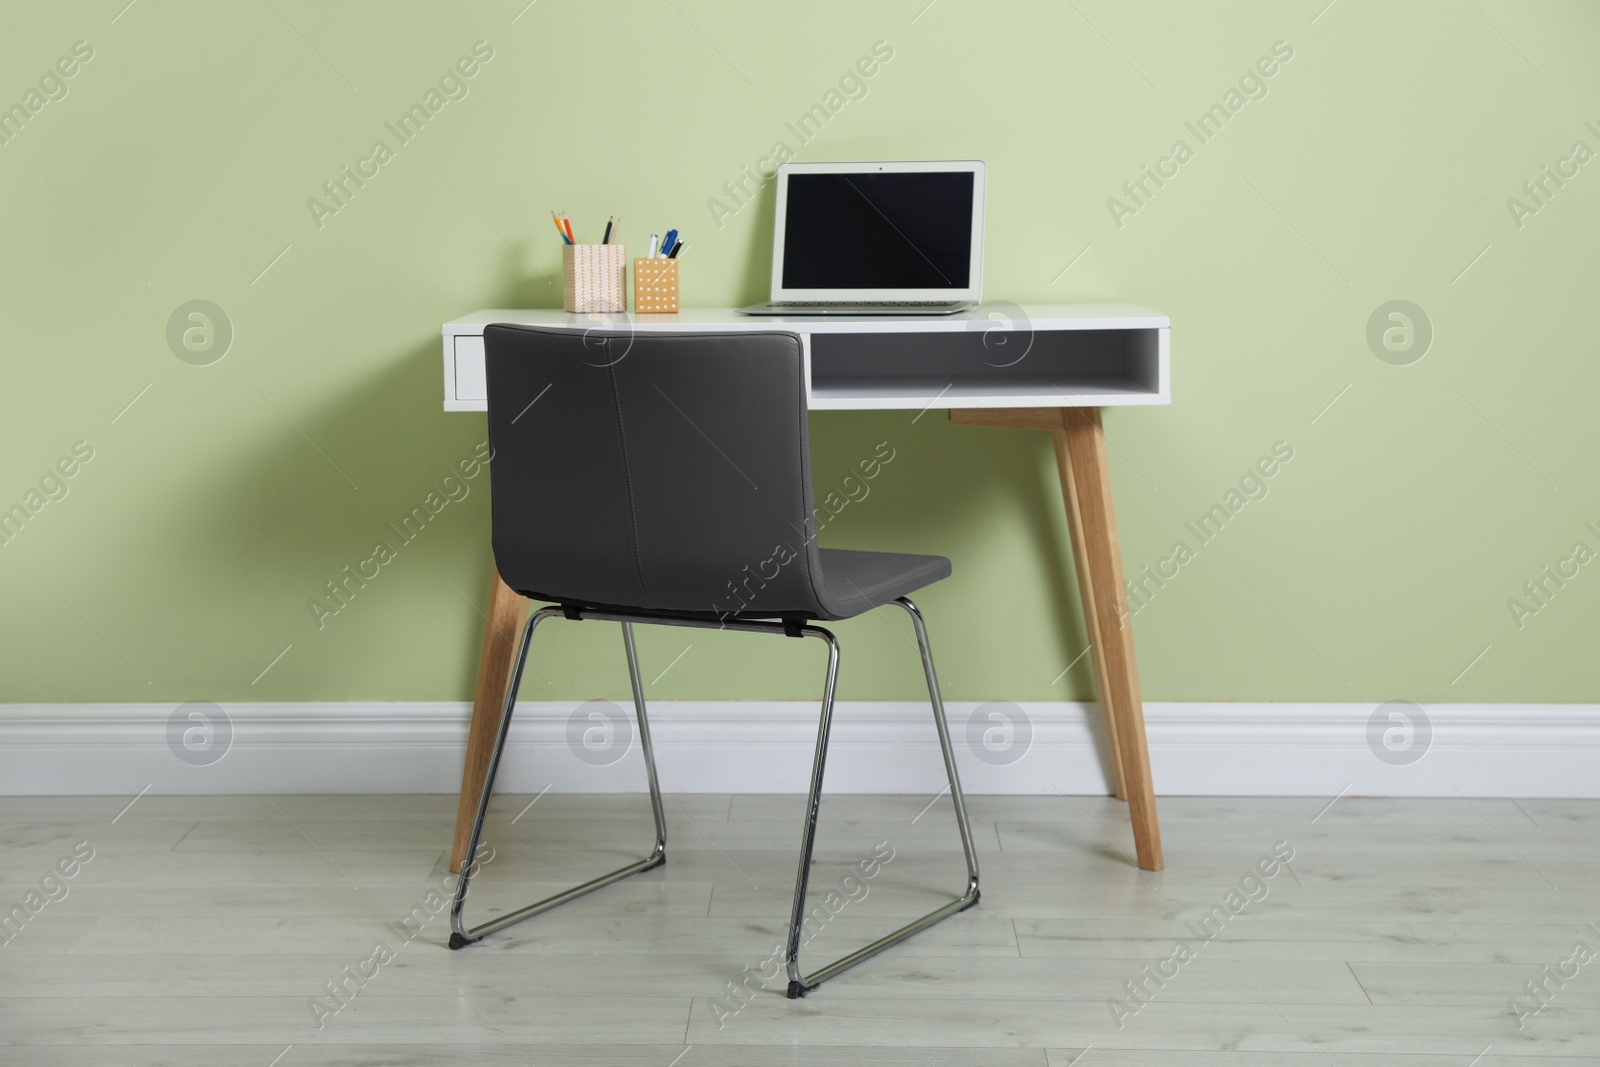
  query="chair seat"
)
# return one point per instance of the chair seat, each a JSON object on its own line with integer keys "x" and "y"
{"x": 854, "y": 582}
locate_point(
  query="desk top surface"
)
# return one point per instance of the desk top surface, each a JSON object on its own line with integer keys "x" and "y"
{"x": 992, "y": 313}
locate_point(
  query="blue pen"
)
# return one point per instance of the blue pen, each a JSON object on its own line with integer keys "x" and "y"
{"x": 668, "y": 241}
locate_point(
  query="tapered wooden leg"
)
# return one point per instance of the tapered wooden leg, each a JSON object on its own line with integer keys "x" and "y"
{"x": 1086, "y": 484}
{"x": 502, "y": 625}
{"x": 1086, "y": 487}
{"x": 1091, "y": 618}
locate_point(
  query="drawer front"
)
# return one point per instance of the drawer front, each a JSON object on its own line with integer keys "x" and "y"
{"x": 471, "y": 380}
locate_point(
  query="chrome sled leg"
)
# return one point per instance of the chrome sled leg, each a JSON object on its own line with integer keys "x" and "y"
{"x": 800, "y": 984}
{"x": 460, "y": 935}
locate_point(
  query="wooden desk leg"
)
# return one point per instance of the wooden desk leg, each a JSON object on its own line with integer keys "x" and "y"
{"x": 1086, "y": 487}
{"x": 500, "y": 633}
{"x": 1091, "y": 618}
{"x": 1086, "y": 484}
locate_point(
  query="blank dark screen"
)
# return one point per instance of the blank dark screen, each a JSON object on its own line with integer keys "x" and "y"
{"x": 878, "y": 231}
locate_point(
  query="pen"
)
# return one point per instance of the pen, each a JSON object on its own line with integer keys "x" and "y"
{"x": 607, "y": 238}
{"x": 677, "y": 250}
{"x": 655, "y": 244}
{"x": 668, "y": 242}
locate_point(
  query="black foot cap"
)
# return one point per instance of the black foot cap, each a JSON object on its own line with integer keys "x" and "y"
{"x": 798, "y": 990}
{"x": 457, "y": 941}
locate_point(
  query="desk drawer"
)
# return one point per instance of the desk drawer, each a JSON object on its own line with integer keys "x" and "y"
{"x": 472, "y": 382}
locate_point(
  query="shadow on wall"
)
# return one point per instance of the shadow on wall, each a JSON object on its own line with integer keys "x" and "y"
{"x": 944, "y": 488}
{"x": 947, "y": 484}
{"x": 756, "y": 277}
{"x": 317, "y": 495}
{"x": 298, "y": 516}
{"x": 354, "y": 457}
{"x": 525, "y": 285}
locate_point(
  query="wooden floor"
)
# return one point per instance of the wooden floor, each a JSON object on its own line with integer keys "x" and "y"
{"x": 207, "y": 931}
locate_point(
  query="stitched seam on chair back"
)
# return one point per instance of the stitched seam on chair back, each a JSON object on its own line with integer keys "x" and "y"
{"x": 627, "y": 483}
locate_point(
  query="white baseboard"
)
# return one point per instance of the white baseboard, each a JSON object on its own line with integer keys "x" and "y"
{"x": 765, "y": 747}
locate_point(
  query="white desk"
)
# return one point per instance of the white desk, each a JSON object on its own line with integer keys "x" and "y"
{"x": 1036, "y": 367}
{"x": 1056, "y": 355}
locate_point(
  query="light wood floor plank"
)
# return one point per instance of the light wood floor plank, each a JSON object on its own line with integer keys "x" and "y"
{"x": 204, "y": 929}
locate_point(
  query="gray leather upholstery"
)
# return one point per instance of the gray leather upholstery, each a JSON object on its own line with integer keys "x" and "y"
{"x": 667, "y": 473}
{"x": 854, "y": 582}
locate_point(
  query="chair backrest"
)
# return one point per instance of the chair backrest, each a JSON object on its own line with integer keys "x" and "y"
{"x": 665, "y": 472}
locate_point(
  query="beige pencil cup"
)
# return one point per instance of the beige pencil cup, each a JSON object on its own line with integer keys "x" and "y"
{"x": 594, "y": 278}
{"x": 655, "y": 286}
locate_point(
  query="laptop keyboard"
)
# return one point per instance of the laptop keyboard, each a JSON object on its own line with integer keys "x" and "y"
{"x": 861, "y": 303}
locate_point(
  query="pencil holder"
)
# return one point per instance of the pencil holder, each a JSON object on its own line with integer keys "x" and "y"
{"x": 594, "y": 278}
{"x": 655, "y": 286}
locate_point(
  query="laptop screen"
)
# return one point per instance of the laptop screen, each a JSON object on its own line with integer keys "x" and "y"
{"x": 892, "y": 230}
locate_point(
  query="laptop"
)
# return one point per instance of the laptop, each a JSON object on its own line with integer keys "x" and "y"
{"x": 876, "y": 239}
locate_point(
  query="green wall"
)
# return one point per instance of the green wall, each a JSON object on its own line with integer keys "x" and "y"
{"x": 1376, "y": 167}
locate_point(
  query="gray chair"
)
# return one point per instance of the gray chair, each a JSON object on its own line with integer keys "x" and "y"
{"x": 665, "y": 478}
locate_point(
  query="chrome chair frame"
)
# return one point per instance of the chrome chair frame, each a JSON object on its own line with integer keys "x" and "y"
{"x": 799, "y": 982}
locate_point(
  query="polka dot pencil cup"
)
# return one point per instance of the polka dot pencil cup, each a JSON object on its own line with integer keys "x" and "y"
{"x": 655, "y": 286}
